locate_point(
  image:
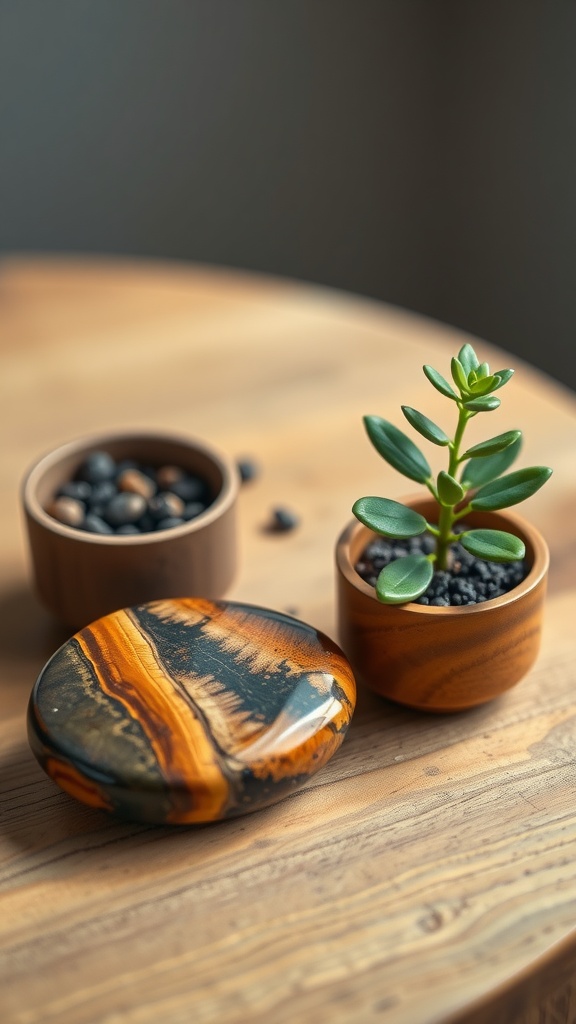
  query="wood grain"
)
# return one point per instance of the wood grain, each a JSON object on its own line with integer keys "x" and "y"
{"x": 428, "y": 873}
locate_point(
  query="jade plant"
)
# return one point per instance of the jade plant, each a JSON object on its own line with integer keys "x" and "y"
{"x": 473, "y": 480}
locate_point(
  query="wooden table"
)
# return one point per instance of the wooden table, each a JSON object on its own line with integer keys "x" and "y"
{"x": 428, "y": 873}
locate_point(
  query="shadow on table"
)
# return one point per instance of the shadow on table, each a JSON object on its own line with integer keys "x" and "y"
{"x": 49, "y": 830}
{"x": 26, "y": 630}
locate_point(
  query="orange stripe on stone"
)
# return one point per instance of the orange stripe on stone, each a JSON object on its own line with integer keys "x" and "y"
{"x": 129, "y": 669}
{"x": 75, "y": 784}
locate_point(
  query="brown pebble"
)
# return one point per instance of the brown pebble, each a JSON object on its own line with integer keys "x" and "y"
{"x": 135, "y": 482}
{"x": 168, "y": 475}
{"x": 67, "y": 510}
{"x": 166, "y": 505}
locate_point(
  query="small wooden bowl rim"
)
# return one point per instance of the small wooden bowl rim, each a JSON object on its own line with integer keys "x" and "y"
{"x": 356, "y": 536}
{"x": 35, "y": 476}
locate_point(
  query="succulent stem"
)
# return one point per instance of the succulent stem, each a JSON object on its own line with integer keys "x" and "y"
{"x": 447, "y": 516}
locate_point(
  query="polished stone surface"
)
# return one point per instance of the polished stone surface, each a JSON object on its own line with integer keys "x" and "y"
{"x": 187, "y": 710}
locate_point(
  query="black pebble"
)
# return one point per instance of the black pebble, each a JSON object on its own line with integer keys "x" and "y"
{"x": 190, "y": 488}
{"x": 102, "y": 492}
{"x": 96, "y": 467}
{"x": 125, "y": 508}
{"x": 193, "y": 509}
{"x": 283, "y": 520}
{"x": 170, "y": 521}
{"x": 123, "y": 464}
{"x": 248, "y": 469}
{"x": 94, "y": 524}
{"x": 80, "y": 490}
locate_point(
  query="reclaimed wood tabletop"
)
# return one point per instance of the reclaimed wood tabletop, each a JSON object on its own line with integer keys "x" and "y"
{"x": 427, "y": 875}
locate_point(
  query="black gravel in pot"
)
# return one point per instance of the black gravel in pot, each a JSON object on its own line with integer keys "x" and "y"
{"x": 469, "y": 580}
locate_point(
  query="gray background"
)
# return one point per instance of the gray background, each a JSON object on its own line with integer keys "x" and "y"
{"x": 418, "y": 151}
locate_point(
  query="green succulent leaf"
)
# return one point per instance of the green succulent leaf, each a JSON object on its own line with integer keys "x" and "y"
{"x": 389, "y": 518}
{"x": 504, "y": 376}
{"x": 484, "y": 404}
{"x": 424, "y": 426}
{"x": 483, "y": 370}
{"x": 494, "y": 545}
{"x": 398, "y": 450}
{"x": 483, "y": 385}
{"x": 468, "y": 359}
{"x": 459, "y": 377}
{"x": 450, "y": 492}
{"x": 493, "y": 445}
{"x": 438, "y": 381}
{"x": 511, "y": 489}
{"x": 482, "y": 471}
{"x": 404, "y": 579}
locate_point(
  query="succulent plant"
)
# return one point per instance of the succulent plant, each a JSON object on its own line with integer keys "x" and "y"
{"x": 475, "y": 479}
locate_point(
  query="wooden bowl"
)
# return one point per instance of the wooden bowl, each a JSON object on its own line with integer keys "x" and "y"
{"x": 441, "y": 659}
{"x": 81, "y": 576}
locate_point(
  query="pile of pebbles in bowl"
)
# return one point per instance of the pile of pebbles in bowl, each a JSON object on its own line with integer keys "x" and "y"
{"x": 126, "y": 497}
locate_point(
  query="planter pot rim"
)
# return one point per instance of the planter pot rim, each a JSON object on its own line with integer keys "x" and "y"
{"x": 536, "y": 554}
{"x": 77, "y": 448}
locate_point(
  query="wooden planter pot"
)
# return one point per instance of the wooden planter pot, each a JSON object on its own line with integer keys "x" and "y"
{"x": 81, "y": 576}
{"x": 441, "y": 659}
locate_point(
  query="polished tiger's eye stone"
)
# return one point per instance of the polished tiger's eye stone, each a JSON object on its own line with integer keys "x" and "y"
{"x": 186, "y": 711}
